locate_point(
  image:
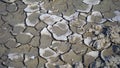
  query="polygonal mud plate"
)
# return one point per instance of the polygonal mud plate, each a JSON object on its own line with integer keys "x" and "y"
{"x": 24, "y": 38}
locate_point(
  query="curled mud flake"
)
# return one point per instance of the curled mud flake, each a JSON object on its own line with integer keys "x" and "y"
{"x": 50, "y": 19}
{"x": 32, "y": 19}
{"x": 60, "y": 30}
{"x": 47, "y": 53}
{"x": 91, "y": 2}
{"x": 96, "y": 17}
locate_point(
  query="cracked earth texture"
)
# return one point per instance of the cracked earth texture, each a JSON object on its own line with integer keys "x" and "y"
{"x": 59, "y": 33}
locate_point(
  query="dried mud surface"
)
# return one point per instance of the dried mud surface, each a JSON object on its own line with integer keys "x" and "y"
{"x": 59, "y": 33}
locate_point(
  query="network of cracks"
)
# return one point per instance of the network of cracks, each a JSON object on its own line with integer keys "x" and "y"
{"x": 59, "y": 33}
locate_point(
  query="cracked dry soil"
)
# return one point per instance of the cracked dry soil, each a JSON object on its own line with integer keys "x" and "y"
{"x": 59, "y": 33}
